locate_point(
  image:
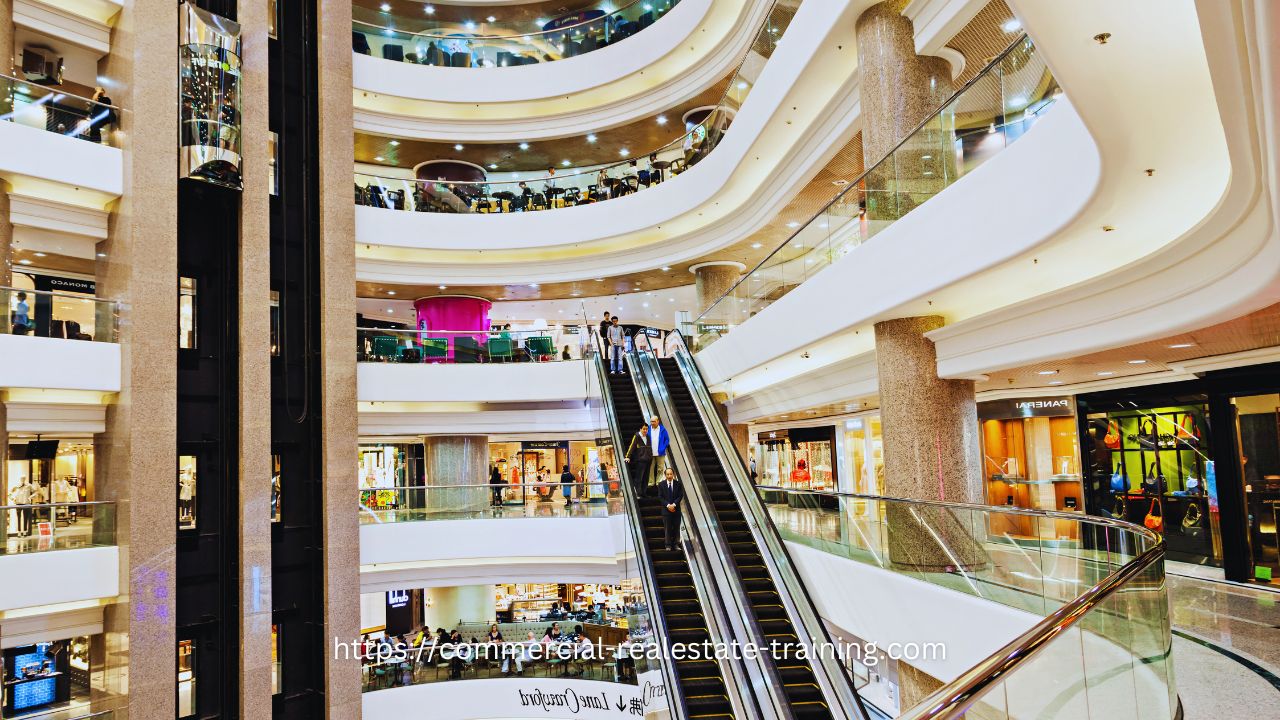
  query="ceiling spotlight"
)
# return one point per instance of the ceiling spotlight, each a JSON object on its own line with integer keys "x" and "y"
{"x": 443, "y": 287}
{"x": 1011, "y": 25}
{"x": 386, "y": 7}
{"x": 599, "y": 279}
{"x": 429, "y": 9}
{"x": 469, "y": 25}
{"x": 1055, "y": 382}
{"x": 394, "y": 143}
{"x": 457, "y": 147}
{"x": 391, "y": 310}
{"x": 624, "y": 152}
{"x": 565, "y": 163}
{"x": 666, "y": 268}
{"x": 591, "y": 137}
{"x": 671, "y": 299}
{"x": 533, "y": 285}
{"x": 662, "y": 119}
{"x": 380, "y": 158}
{"x": 524, "y": 146}
{"x": 391, "y": 292}
{"x": 24, "y": 261}
{"x": 793, "y": 224}
{"x": 491, "y": 19}
{"x": 742, "y": 86}
{"x": 926, "y": 157}
{"x": 644, "y": 304}
{"x": 102, "y": 254}
{"x": 756, "y": 246}
{"x": 40, "y": 254}
{"x": 1105, "y": 373}
{"x": 1047, "y": 372}
{"x": 1136, "y": 362}
{"x": 493, "y": 166}
{"x": 1179, "y": 346}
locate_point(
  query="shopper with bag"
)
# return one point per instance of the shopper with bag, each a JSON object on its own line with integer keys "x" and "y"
{"x": 639, "y": 458}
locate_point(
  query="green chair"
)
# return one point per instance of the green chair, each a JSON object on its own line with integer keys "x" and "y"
{"x": 539, "y": 347}
{"x": 499, "y": 347}
{"x": 385, "y": 348}
{"x": 435, "y": 349}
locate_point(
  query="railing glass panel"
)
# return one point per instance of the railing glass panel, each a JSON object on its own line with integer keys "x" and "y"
{"x": 453, "y": 36}
{"x": 994, "y": 109}
{"x": 554, "y": 344}
{"x": 57, "y": 111}
{"x": 72, "y": 316}
{"x": 42, "y": 527}
{"x": 533, "y": 499}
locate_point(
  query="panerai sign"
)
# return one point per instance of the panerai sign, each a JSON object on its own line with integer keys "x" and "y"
{"x": 1026, "y": 407}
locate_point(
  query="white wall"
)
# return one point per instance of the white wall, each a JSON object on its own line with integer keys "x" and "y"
{"x": 447, "y": 606}
{"x": 373, "y": 610}
{"x": 53, "y": 363}
{"x": 472, "y": 383}
{"x": 58, "y": 576}
{"x": 90, "y": 168}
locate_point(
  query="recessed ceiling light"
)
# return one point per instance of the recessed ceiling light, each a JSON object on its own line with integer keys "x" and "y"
{"x": 1055, "y": 382}
{"x": 799, "y": 246}
{"x": 457, "y": 147}
{"x": 391, "y": 310}
{"x": 564, "y": 163}
{"x": 40, "y": 254}
{"x": 391, "y": 292}
{"x": 443, "y": 287}
{"x": 469, "y": 25}
{"x": 429, "y": 9}
{"x": 1047, "y": 372}
{"x": 1105, "y": 373}
{"x": 926, "y": 157}
{"x": 1136, "y": 362}
{"x": 662, "y": 119}
{"x": 756, "y": 246}
{"x": 386, "y": 7}
{"x": 784, "y": 417}
{"x": 599, "y": 279}
{"x": 491, "y": 19}
{"x": 1179, "y": 346}
{"x": 493, "y": 166}
{"x": 840, "y": 182}
{"x": 591, "y": 137}
{"x": 524, "y": 146}
{"x": 540, "y": 22}
{"x": 533, "y": 285}
{"x": 624, "y": 152}
{"x": 793, "y": 224}
{"x": 1011, "y": 25}
{"x": 742, "y": 86}
{"x": 394, "y": 143}
{"x": 666, "y": 268}
{"x": 24, "y": 261}
{"x": 102, "y": 254}
{"x": 379, "y": 158}
{"x": 644, "y": 304}
{"x": 671, "y": 299}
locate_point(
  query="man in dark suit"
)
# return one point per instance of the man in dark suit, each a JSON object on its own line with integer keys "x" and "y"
{"x": 671, "y": 492}
{"x": 639, "y": 457}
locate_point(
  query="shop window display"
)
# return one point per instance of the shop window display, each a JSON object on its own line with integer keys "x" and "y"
{"x": 46, "y": 676}
{"x": 186, "y": 313}
{"x": 1031, "y": 459}
{"x": 187, "y": 479}
{"x": 48, "y": 471}
{"x": 1258, "y": 444}
{"x": 864, "y": 445}
{"x": 799, "y": 459}
{"x": 186, "y": 678}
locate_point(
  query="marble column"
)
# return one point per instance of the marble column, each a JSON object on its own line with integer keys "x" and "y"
{"x": 136, "y": 458}
{"x": 444, "y": 607}
{"x": 457, "y": 460}
{"x": 931, "y": 449}
{"x": 914, "y": 685}
{"x": 255, "y": 368}
{"x": 714, "y": 279}
{"x": 337, "y": 357}
{"x": 737, "y": 431}
{"x": 6, "y": 39}
{"x": 899, "y": 89}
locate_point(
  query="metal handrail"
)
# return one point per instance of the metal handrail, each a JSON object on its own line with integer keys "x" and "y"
{"x": 657, "y": 620}
{"x": 58, "y": 294}
{"x": 832, "y": 678}
{"x": 854, "y": 184}
{"x": 710, "y": 546}
{"x": 955, "y": 698}
{"x": 54, "y": 91}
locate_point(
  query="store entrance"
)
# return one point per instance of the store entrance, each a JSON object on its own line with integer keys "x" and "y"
{"x": 1257, "y": 425}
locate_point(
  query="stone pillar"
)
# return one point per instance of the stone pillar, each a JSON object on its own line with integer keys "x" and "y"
{"x": 6, "y": 41}
{"x": 899, "y": 89}
{"x": 443, "y": 607}
{"x": 457, "y": 460}
{"x": 714, "y": 279}
{"x": 136, "y": 458}
{"x": 914, "y": 685}
{"x": 931, "y": 449}
{"x": 737, "y": 432}
{"x": 337, "y": 357}
{"x": 255, "y": 369}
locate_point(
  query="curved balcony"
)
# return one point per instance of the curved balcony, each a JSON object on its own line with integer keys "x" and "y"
{"x": 66, "y": 540}
{"x": 697, "y": 44}
{"x": 66, "y": 341}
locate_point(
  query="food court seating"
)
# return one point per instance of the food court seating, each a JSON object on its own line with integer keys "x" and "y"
{"x": 435, "y": 349}
{"x": 539, "y": 348}
{"x": 384, "y": 348}
{"x": 410, "y": 355}
{"x": 393, "y": 52}
{"x": 466, "y": 349}
{"x": 500, "y": 347}
{"x": 359, "y": 42}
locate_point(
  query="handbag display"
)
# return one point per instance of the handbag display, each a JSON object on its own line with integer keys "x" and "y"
{"x": 1112, "y": 438}
{"x": 1118, "y": 481}
{"x": 1153, "y": 521}
{"x": 1153, "y": 481}
{"x": 1188, "y": 434}
{"x": 1121, "y": 508}
{"x": 1147, "y": 437}
{"x": 1192, "y": 525}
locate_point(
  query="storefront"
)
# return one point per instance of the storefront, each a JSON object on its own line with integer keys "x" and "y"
{"x": 863, "y": 457}
{"x": 45, "y": 676}
{"x": 798, "y": 458}
{"x": 60, "y": 306}
{"x": 381, "y": 467}
{"x": 541, "y": 462}
{"x": 60, "y": 471}
{"x": 1031, "y": 459}
{"x": 1200, "y": 460}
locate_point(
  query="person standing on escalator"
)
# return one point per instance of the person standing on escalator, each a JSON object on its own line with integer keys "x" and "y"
{"x": 671, "y": 493}
{"x": 661, "y": 442}
{"x": 639, "y": 457}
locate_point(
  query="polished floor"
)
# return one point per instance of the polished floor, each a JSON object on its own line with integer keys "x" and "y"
{"x": 65, "y": 536}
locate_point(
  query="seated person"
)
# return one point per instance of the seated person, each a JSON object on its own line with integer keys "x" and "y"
{"x": 524, "y": 198}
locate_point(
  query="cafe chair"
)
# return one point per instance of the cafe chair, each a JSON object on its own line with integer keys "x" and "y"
{"x": 435, "y": 349}
{"x": 466, "y": 349}
{"x": 359, "y": 42}
{"x": 393, "y": 52}
{"x": 500, "y": 347}
{"x": 385, "y": 348}
{"x": 539, "y": 202}
{"x": 539, "y": 348}
{"x": 573, "y": 197}
{"x": 460, "y": 59}
{"x": 410, "y": 355}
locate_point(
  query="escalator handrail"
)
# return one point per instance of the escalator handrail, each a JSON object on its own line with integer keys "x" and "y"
{"x": 708, "y": 534}
{"x": 833, "y": 679}
{"x": 657, "y": 620}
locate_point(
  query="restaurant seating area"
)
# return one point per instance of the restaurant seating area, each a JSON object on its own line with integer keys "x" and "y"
{"x": 407, "y": 346}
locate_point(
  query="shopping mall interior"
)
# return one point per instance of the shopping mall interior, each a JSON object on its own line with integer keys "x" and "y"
{"x": 674, "y": 359}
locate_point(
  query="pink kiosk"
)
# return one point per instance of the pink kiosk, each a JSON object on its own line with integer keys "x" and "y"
{"x": 454, "y": 314}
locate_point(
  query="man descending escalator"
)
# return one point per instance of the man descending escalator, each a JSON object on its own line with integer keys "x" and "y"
{"x": 639, "y": 457}
{"x": 671, "y": 493}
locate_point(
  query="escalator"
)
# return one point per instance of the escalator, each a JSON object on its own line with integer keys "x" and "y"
{"x": 800, "y": 686}
{"x": 701, "y": 681}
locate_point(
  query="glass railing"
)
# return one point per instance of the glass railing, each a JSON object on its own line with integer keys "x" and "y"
{"x": 991, "y": 111}
{"x": 40, "y": 527}
{"x": 59, "y": 315}
{"x": 57, "y": 111}
{"x": 1102, "y": 648}
{"x": 472, "y": 346}
{"x": 485, "y": 41}
{"x": 534, "y": 498}
{"x": 573, "y": 186}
